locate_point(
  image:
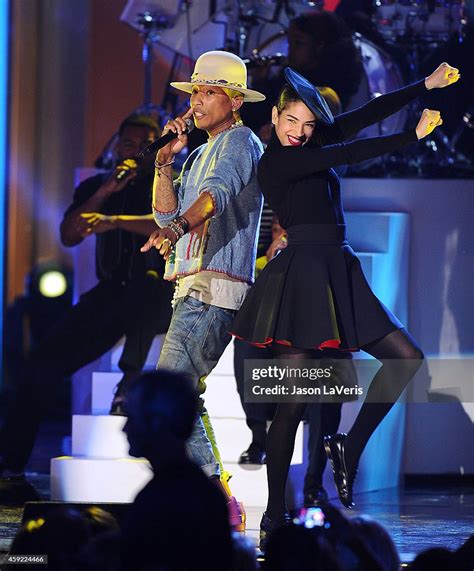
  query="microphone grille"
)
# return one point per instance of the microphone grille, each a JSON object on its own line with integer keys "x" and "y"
{"x": 190, "y": 124}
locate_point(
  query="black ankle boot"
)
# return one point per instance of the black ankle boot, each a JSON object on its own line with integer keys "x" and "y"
{"x": 268, "y": 526}
{"x": 254, "y": 454}
{"x": 117, "y": 408}
{"x": 334, "y": 446}
{"x": 316, "y": 496}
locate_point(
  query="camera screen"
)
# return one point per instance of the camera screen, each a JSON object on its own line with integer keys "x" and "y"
{"x": 310, "y": 517}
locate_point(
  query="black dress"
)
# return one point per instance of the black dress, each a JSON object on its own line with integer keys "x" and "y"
{"x": 314, "y": 295}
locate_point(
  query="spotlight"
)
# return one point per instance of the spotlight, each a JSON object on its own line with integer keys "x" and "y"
{"x": 49, "y": 295}
{"x": 30, "y": 317}
{"x": 52, "y": 284}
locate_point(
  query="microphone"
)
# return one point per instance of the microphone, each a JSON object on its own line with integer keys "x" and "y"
{"x": 164, "y": 140}
{"x": 127, "y": 166}
{"x": 259, "y": 61}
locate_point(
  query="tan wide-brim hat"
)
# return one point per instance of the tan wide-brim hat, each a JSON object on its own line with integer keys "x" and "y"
{"x": 221, "y": 69}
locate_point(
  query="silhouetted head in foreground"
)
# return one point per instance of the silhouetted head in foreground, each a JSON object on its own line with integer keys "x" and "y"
{"x": 161, "y": 408}
{"x": 61, "y": 534}
{"x": 376, "y": 537}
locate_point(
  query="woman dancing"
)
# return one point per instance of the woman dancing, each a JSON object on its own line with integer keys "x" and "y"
{"x": 313, "y": 295}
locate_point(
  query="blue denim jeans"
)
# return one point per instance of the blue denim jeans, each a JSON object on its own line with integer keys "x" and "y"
{"x": 196, "y": 338}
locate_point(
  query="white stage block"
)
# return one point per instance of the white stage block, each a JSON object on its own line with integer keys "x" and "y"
{"x": 251, "y": 488}
{"x": 225, "y": 365}
{"x": 98, "y": 480}
{"x": 99, "y": 436}
{"x": 233, "y": 437}
{"x": 103, "y": 385}
{"x": 152, "y": 357}
{"x": 248, "y": 486}
{"x": 221, "y": 397}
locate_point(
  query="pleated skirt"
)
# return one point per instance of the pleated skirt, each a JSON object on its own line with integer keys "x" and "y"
{"x": 314, "y": 295}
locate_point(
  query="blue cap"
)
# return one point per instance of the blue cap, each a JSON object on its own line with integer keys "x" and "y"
{"x": 310, "y": 95}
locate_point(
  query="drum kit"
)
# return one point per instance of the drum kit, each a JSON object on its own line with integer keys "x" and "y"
{"x": 407, "y": 32}
{"x": 257, "y": 31}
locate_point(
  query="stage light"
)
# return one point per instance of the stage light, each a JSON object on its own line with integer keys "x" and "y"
{"x": 49, "y": 296}
{"x": 52, "y": 284}
{"x": 31, "y": 316}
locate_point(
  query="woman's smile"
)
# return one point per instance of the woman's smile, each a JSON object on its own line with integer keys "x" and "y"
{"x": 296, "y": 141}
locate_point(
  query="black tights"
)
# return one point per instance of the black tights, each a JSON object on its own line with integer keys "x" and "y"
{"x": 400, "y": 357}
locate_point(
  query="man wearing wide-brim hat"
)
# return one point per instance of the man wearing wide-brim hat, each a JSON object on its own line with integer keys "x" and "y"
{"x": 208, "y": 219}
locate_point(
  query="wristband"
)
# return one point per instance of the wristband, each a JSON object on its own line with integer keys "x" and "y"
{"x": 179, "y": 226}
{"x": 175, "y": 231}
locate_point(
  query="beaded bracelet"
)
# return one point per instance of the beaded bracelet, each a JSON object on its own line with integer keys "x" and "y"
{"x": 174, "y": 230}
{"x": 158, "y": 166}
{"x": 179, "y": 225}
{"x": 182, "y": 223}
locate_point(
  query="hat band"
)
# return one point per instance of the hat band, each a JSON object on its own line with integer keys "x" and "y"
{"x": 195, "y": 79}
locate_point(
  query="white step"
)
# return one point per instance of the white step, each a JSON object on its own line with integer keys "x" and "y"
{"x": 99, "y": 436}
{"x": 249, "y": 485}
{"x": 82, "y": 387}
{"x": 98, "y": 480}
{"x": 233, "y": 437}
{"x": 221, "y": 396}
{"x": 103, "y": 385}
{"x": 120, "y": 480}
{"x": 225, "y": 365}
{"x": 152, "y": 357}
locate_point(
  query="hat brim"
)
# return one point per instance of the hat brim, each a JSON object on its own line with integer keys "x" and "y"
{"x": 310, "y": 95}
{"x": 250, "y": 96}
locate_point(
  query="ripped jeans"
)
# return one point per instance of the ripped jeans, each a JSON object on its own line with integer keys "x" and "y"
{"x": 196, "y": 338}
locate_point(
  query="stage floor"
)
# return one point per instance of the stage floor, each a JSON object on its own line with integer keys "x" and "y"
{"x": 417, "y": 518}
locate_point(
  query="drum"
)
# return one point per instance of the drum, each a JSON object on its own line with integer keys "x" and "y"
{"x": 381, "y": 75}
{"x": 431, "y": 21}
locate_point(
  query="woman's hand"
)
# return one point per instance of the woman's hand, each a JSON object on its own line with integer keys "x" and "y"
{"x": 442, "y": 76}
{"x": 279, "y": 244}
{"x": 428, "y": 122}
{"x": 175, "y": 146}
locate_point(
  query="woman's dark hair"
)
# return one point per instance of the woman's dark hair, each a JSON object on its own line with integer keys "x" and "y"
{"x": 286, "y": 96}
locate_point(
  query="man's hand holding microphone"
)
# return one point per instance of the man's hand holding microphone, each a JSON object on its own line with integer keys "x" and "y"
{"x": 176, "y": 130}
